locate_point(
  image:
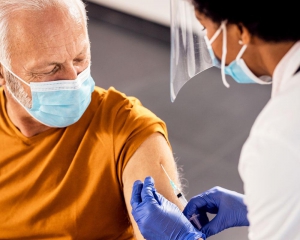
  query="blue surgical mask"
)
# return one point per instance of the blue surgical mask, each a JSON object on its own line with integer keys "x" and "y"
{"x": 237, "y": 69}
{"x": 59, "y": 103}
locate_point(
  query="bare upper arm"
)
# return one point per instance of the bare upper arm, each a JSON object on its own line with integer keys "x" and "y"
{"x": 146, "y": 162}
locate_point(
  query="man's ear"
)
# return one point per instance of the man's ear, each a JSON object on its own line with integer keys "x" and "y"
{"x": 2, "y": 78}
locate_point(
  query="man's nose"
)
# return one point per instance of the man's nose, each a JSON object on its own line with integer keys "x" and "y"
{"x": 70, "y": 73}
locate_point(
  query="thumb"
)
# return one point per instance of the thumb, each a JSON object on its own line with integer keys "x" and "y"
{"x": 195, "y": 206}
{"x": 216, "y": 225}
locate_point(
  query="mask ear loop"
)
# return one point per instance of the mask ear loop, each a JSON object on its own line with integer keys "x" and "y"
{"x": 217, "y": 33}
{"x": 240, "y": 54}
{"x": 15, "y": 75}
{"x": 224, "y": 53}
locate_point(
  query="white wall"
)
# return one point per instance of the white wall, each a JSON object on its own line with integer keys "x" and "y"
{"x": 154, "y": 10}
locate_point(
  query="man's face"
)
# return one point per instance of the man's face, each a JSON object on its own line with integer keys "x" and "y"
{"x": 49, "y": 45}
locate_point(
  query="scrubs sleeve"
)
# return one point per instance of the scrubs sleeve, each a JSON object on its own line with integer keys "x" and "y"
{"x": 270, "y": 170}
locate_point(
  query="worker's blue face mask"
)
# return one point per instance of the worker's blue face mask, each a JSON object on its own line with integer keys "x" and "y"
{"x": 59, "y": 103}
{"x": 237, "y": 69}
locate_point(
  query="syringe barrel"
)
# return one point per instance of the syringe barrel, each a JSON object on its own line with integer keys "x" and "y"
{"x": 181, "y": 197}
{"x": 183, "y": 200}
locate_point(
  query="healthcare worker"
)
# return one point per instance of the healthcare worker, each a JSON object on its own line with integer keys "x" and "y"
{"x": 253, "y": 42}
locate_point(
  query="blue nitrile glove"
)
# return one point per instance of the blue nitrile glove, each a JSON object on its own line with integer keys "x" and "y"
{"x": 157, "y": 218}
{"x": 228, "y": 205}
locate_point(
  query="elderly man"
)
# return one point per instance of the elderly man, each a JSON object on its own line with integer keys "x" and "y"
{"x": 70, "y": 151}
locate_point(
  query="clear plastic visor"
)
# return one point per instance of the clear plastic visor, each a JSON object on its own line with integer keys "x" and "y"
{"x": 189, "y": 53}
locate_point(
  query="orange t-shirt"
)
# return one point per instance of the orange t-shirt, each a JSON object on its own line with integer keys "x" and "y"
{"x": 66, "y": 183}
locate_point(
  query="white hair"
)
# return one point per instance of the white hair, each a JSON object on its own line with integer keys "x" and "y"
{"x": 10, "y": 7}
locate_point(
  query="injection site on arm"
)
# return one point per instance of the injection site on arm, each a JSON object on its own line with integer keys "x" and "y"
{"x": 147, "y": 159}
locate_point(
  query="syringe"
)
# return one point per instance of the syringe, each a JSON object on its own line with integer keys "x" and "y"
{"x": 182, "y": 199}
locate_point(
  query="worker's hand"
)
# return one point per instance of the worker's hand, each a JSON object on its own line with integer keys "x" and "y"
{"x": 228, "y": 205}
{"x": 158, "y": 218}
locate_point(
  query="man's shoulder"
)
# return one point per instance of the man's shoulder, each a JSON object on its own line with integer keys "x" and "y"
{"x": 112, "y": 97}
{"x": 113, "y": 106}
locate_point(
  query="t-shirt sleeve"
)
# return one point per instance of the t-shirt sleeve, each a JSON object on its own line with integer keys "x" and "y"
{"x": 269, "y": 167}
{"x": 133, "y": 124}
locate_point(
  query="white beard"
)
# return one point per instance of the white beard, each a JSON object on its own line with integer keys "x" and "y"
{"x": 17, "y": 91}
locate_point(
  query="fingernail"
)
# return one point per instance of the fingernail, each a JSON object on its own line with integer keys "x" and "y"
{"x": 137, "y": 182}
{"x": 149, "y": 178}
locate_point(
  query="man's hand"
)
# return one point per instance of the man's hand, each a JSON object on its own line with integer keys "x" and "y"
{"x": 228, "y": 205}
{"x": 157, "y": 218}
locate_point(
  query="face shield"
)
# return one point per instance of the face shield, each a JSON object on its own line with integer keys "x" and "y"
{"x": 189, "y": 53}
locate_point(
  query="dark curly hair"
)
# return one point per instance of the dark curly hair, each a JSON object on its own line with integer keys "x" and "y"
{"x": 273, "y": 21}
